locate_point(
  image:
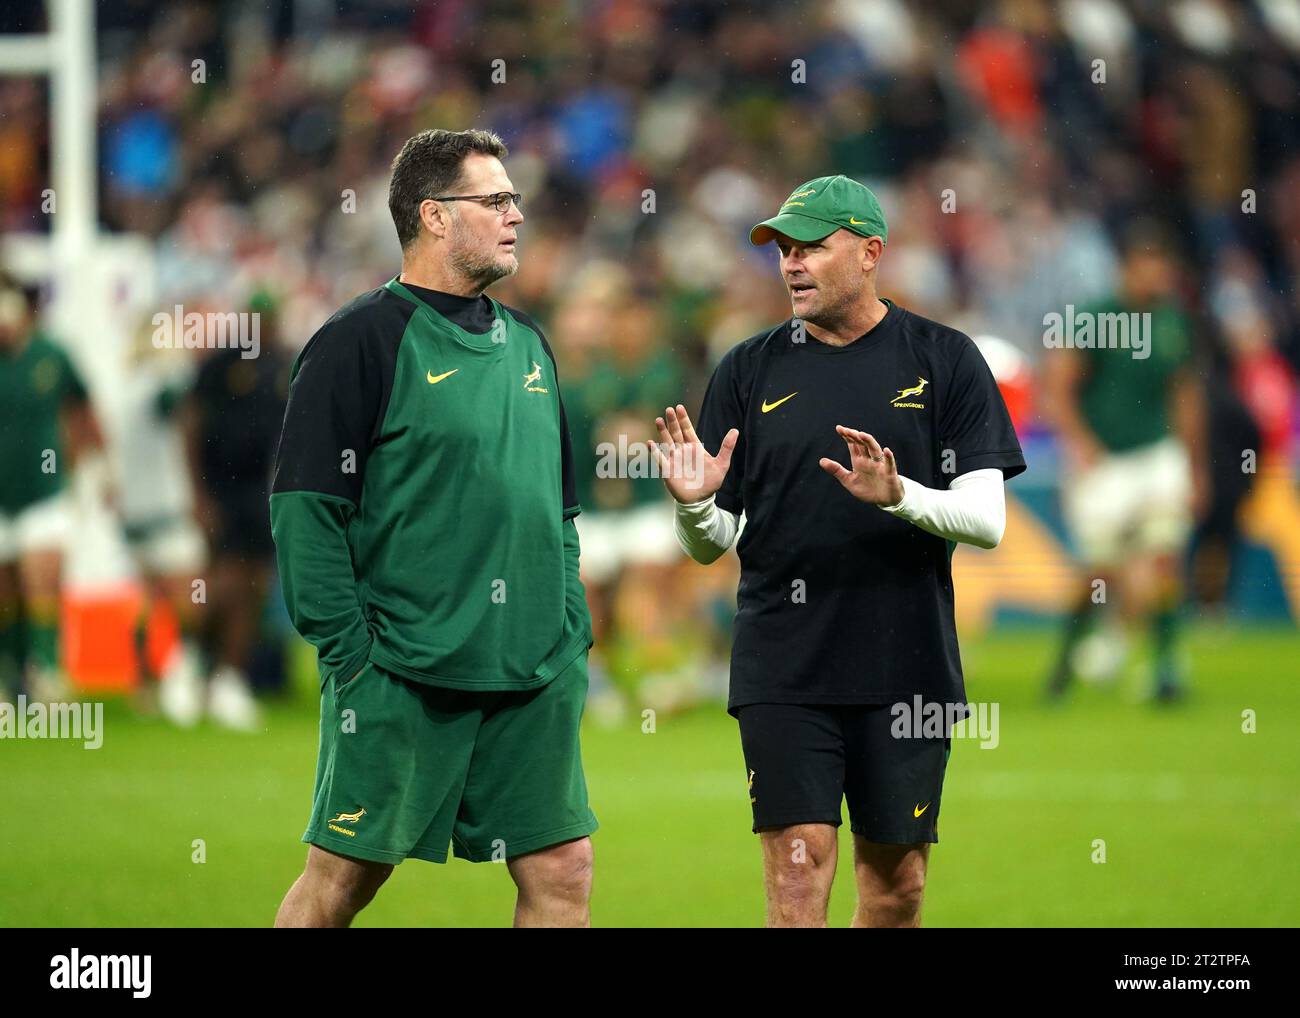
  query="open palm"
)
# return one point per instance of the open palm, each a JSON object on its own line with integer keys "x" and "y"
{"x": 690, "y": 474}
{"x": 874, "y": 474}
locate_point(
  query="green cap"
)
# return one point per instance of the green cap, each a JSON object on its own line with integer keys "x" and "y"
{"x": 820, "y": 207}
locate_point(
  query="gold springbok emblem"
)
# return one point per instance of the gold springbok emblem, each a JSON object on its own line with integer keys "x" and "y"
{"x": 351, "y": 818}
{"x": 534, "y": 376}
{"x": 915, "y": 390}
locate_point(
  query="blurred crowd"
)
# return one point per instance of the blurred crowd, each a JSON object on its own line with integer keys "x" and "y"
{"x": 1009, "y": 142}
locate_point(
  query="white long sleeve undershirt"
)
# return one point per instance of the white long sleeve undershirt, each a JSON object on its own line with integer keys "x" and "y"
{"x": 972, "y": 511}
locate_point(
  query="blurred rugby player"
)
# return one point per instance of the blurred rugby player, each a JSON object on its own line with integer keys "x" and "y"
{"x": 1131, "y": 420}
{"x": 49, "y": 426}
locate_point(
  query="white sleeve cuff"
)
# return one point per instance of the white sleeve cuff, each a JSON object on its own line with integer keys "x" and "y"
{"x": 703, "y": 530}
{"x": 973, "y": 510}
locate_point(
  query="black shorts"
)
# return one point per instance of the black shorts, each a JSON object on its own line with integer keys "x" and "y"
{"x": 804, "y": 761}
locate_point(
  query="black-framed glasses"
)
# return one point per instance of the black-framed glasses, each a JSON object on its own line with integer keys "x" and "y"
{"x": 499, "y": 201}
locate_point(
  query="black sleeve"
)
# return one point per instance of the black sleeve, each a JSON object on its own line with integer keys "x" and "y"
{"x": 338, "y": 395}
{"x": 568, "y": 481}
{"x": 974, "y": 422}
{"x": 723, "y": 408}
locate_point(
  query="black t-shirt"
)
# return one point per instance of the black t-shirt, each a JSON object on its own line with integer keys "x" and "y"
{"x": 240, "y": 407}
{"x": 839, "y": 601}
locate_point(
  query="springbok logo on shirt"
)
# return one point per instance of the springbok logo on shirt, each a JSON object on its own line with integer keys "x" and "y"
{"x": 534, "y": 376}
{"x": 914, "y": 390}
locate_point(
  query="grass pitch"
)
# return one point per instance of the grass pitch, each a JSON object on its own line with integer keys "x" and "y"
{"x": 1201, "y": 822}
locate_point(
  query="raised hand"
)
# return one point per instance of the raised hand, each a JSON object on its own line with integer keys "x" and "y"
{"x": 874, "y": 475}
{"x": 690, "y": 474}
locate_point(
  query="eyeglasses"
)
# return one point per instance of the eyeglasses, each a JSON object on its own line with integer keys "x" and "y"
{"x": 499, "y": 201}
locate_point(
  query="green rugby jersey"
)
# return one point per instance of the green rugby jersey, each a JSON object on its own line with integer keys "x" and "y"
{"x": 36, "y": 382}
{"x": 423, "y": 499}
{"x": 1125, "y": 399}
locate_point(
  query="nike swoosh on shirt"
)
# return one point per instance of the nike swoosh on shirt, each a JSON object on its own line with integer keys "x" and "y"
{"x": 772, "y": 406}
{"x": 435, "y": 379}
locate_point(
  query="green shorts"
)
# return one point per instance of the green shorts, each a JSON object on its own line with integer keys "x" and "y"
{"x": 405, "y": 768}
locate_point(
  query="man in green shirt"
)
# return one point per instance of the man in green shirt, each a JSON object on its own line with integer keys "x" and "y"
{"x": 44, "y": 400}
{"x": 422, "y": 510}
{"x": 1128, "y": 409}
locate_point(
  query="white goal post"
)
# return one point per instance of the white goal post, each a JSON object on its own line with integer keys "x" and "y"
{"x": 100, "y": 286}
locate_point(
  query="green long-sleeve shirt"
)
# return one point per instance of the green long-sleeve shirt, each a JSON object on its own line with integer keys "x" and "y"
{"x": 423, "y": 499}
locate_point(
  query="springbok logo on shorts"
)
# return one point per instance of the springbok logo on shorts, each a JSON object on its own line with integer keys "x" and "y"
{"x": 534, "y": 376}
{"x": 915, "y": 390}
{"x": 346, "y": 818}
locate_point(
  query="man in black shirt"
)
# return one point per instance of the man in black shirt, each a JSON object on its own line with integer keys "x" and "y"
{"x": 845, "y": 606}
{"x": 231, "y": 420}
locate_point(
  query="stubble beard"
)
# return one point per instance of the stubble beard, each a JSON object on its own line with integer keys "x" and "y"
{"x": 830, "y": 312}
{"x": 479, "y": 269}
